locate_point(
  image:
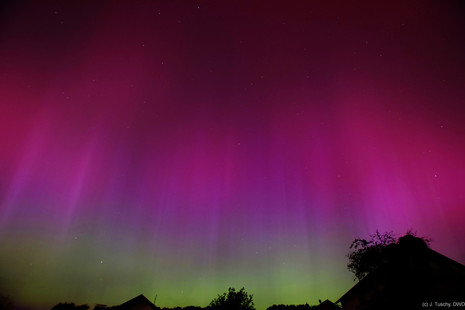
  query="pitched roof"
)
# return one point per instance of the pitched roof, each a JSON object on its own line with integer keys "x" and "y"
{"x": 141, "y": 299}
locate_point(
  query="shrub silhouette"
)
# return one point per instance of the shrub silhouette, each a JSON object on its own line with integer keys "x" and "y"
{"x": 69, "y": 306}
{"x": 290, "y": 307}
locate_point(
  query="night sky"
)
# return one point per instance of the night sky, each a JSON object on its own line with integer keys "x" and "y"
{"x": 177, "y": 148}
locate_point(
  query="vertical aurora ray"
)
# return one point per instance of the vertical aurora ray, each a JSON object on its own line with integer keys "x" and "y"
{"x": 179, "y": 149}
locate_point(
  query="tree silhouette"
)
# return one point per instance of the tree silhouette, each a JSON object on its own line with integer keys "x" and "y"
{"x": 378, "y": 251}
{"x": 233, "y": 300}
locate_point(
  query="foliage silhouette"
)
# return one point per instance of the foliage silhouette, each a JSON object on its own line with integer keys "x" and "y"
{"x": 183, "y": 308}
{"x": 237, "y": 300}
{"x": 290, "y": 307}
{"x": 69, "y": 306}
{"x": 6, "y": 303}
{"x": 378, "y": 251}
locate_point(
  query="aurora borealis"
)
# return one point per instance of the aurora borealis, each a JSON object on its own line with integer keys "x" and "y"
{"x": 177, "y": 148}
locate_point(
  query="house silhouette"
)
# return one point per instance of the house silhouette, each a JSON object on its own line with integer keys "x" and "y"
{"x": 137, "y": 303}
{"x": 417, "y": 278}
